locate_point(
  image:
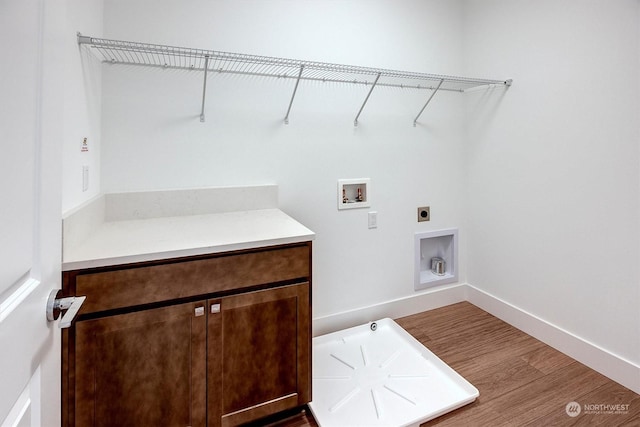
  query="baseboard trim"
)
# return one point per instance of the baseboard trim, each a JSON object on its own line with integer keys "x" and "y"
{"x": 608, "y": 364}
{"x": 429, "y": 300}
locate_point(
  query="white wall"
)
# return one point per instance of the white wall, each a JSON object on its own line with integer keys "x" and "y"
{"x": 152, "y": 137}
{"x": 554, "y": 164}
{"x": 543, "y": 179}
{"x": 82, "y": 104}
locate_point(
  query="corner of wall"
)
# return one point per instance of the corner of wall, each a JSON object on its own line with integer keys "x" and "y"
{"x": 610, "y": 365}
{"x": 82, "y": 106}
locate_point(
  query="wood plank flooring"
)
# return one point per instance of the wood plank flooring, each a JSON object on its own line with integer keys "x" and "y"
{"x": 522, "y": 381}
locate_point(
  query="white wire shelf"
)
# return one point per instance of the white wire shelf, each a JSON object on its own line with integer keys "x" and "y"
{"x": 154, "y": 55}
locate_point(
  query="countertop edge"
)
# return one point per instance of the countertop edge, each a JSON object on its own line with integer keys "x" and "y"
{"x": 157, "y": 256}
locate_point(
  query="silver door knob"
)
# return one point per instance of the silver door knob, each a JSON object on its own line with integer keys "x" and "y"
{"x": 55, "y": 306}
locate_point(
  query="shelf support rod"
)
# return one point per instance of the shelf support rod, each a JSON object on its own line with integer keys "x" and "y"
{"x": 293, "y": 95}
{"x": 427, "y": 103}
{"x": 204, "y": 86}
{"x": 355, "y": 122}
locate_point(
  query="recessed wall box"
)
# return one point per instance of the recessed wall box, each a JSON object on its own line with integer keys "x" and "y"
{"x": 424, "y": 214}
{"x": 439, "y": 244}
{"x": 354, "y": 193}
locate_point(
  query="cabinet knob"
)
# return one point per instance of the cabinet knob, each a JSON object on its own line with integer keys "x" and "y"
{"x": 215, "y": 308}
{"x": 55, "y": 306}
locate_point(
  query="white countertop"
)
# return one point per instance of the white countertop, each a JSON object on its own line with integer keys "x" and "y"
{"x": 137, "y": 240}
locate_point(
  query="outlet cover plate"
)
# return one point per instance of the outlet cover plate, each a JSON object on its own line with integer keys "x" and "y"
{"x": 424, "y": 214}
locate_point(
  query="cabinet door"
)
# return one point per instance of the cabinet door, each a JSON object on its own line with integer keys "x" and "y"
{"x": 142, "y": 368}
{"x": 265, "y": 352}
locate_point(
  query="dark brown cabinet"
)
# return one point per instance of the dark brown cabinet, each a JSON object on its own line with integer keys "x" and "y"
{"x": 147, "y": 365}
{"x": 214, "y": 355}
{"x": 259, "y": 364}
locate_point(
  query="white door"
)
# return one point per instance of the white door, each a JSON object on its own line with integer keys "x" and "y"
{"x": 30, "y": 209}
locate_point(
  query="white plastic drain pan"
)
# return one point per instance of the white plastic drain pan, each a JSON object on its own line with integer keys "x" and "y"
{"x": 377, "y": 374}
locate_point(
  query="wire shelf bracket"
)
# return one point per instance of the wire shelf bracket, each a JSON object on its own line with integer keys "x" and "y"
{"x": 427, "y": 103}
{"x": 293, "y": 95}
{"x": 375, "y": 82}
{"x": 155, "y": 55}
{"x": 204, "y": 86}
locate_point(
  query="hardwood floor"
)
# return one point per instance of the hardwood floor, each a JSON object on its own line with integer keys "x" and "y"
{"x": 522, "y": 381}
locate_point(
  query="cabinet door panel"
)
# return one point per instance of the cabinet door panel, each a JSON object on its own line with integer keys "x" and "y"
{"x": 260, "y": 353}
{"x": 143, "y": 368}
{"x": 265, "y": 359}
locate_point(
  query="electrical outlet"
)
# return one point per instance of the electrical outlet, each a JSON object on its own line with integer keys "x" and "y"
{"x": 424, "y": 214}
